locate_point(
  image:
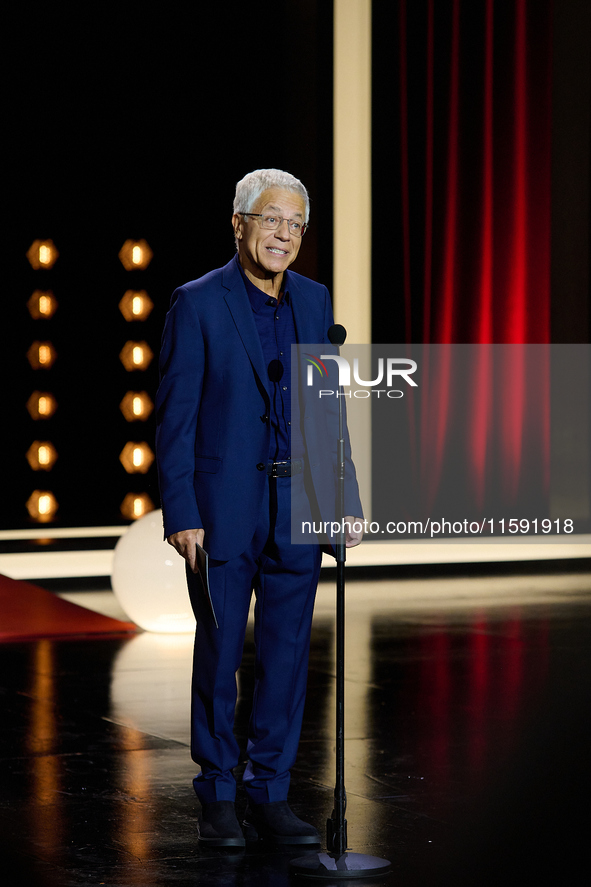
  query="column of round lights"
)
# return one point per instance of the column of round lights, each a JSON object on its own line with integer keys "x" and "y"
{"x": 136, "y": 305}
{"x": 42, "y": 455}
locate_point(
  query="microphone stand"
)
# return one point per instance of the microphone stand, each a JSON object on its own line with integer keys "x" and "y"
{"x": 336, "y": 826}
{"x": 337, "y": 862}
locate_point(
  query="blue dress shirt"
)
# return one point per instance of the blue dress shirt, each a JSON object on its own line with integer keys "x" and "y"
{"x": 277, "y": 333}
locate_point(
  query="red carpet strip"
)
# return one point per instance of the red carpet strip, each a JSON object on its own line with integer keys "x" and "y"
{"x": 28, "y": 612}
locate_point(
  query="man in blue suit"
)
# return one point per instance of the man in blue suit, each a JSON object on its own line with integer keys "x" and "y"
{"x": 231, "y": 465}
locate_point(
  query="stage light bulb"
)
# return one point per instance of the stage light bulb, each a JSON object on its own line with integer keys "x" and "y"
{"x": 136, "y": 406}
{"x": 41, "y": 355}
{"x": 136, "y": 356}
{"x": 41, "y": 405}
{"x": 135, "y": 255}
{"x": 41, "y": 455}
{"x": 135, "y": 505}
{"x": 136, "y": 457}
{"x": 136, "y": 305}
{"x": 42, "y": 254}
{"x": 42, "y": 506}
{"x": 42, "y": 305}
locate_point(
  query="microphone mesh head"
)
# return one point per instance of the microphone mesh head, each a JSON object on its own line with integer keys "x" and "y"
{"x": 337, "y": 334}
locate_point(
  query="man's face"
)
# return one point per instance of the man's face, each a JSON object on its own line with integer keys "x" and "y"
{"x": 263, "y": 252}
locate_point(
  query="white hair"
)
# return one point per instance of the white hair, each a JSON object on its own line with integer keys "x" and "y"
{"x": 250, "y": 188}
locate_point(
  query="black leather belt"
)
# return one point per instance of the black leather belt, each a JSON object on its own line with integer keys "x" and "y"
{"x": 285, "y": 469}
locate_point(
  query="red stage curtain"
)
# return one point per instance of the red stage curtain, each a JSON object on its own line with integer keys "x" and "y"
{"x": 467, "y": 86}
{"x": 482, "y": 110}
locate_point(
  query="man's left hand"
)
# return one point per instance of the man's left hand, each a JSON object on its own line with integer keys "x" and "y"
{"x": 354, "y": 531}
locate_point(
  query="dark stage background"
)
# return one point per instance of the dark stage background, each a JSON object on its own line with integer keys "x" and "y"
{"x": 129, "y": 121}
{"x": 489, "y": 168}
{"x": 136, "y": 122}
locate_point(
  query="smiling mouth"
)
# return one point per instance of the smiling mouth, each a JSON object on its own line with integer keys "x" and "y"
{"x": 277, "y": 252}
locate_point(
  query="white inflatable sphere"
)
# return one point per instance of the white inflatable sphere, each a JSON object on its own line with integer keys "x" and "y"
{"x": 148, "y": 578}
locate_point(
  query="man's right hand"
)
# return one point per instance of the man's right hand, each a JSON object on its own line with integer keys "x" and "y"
{"x": 185, "y": 542}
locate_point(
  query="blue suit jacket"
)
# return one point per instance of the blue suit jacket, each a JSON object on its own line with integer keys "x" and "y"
{"x": 211, "y": 407}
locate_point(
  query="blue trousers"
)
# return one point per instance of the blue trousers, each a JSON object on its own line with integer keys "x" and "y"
{"x": 284, "y": 578}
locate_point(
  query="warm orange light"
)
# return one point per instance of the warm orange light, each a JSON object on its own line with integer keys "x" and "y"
{"x": 136, "y": 458}
{"x": 135, "y": 505}
{"x": 42, "y": 506}
{"x": 136, "y": 305}
{"x": 42, "y": 304}
{"x": 136, "y": 356}
{"x": 41, "y": 405}
{"x": 41, "y": 355}
{"x": 41, "y": 455}
{"x": 42, "y": 254}
{"x": 135, "y": 255}
{"x": 136, "y": 406}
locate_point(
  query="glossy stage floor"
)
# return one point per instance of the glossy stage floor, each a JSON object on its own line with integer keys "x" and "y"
{"x": 467, "y": 740}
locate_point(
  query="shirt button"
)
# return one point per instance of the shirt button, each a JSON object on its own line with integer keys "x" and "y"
{"x": 285, "y": 387}
{"x": 261, "y": 466}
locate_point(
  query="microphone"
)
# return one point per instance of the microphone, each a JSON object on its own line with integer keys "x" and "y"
{"x": 337, "y": 334}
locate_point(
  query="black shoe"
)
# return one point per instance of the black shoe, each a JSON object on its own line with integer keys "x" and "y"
{"x": 278, "y": 823}
{"x": 218, "y": 826}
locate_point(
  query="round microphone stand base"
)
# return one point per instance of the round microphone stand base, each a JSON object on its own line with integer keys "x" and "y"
{"x": 331, "y": 866}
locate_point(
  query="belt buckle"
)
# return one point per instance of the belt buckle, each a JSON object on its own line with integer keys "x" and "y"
{"x": 280, "y": 469}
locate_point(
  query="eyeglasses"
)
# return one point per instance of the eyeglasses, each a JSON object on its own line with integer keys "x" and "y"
{"x": 272, "y": 223}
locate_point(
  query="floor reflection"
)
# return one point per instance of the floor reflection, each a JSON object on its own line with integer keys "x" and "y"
{"x": 45, "y": 774}
{"x": 467, "y": 736}
{"x": 150, "y": 684}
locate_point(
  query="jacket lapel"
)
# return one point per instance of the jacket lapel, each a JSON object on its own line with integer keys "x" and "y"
{"x": 305, "y": 311}
{"x": 239, "y": 306}
{"x": 305, "y": 314}
{"x": 306, "y": 320}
